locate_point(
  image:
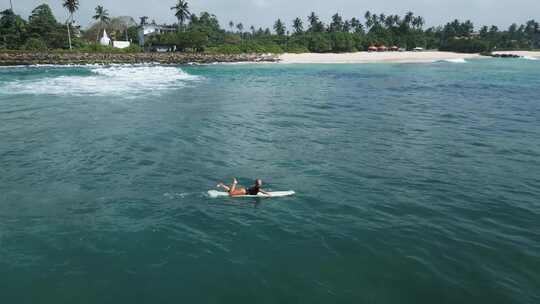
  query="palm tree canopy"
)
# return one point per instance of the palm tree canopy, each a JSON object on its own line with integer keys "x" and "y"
{"x": 71, "y": 5}
{"x": 101, "y": 14}
{"x": 408, "y": 17}
{"x": 279, "y": 27}
{"x": 313, "y": 18}
{"x": 182, "y": 10}
{"x": 298, "y": 25}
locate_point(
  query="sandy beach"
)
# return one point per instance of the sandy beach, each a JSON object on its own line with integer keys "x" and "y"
{"x": 530, "y": 54}
{"x": 368, "y": 57}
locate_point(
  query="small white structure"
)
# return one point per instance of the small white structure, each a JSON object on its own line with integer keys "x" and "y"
{"x": 105, "y": 40}
{"x": 418, "y": 49}
{"x": 121, "y": 44}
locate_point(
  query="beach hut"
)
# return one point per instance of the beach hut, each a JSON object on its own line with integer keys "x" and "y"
{"x": 382, "y": 48}
{"x": 372, "y": 48}
{"x": 394, "y": 48}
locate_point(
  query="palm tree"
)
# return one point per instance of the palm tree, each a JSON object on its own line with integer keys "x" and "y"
{"x": 102, "y": 16}
{"x": 314, "y": 22}
{"x": 532, "y": 28}
{"x": 382, "y": 18}
{"x": 356, "y": 25}
{"x": 346, "y": 26}
{"x": 369, "y": 24}
{"x": 418, "y": 22}
{"x": 374, "y": 20}
{"x": 337, "y": 23}
{"x": 231, "y": 25}
{"x": 408, "y": 18}
{"x": 279, "y": 27}
{"x": 389, "y": 21}
{"x": 240, "y": 27}
{"x": 397, "y": 20}
{"x": 298, "y": 25}
{"x": 182, "y": 12}
{"x": 72, "y": 6}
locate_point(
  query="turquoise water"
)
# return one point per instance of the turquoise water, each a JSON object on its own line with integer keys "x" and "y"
{"x": 416, "y": 183}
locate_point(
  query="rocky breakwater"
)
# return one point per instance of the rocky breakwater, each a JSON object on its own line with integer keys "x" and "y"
{"x": 32, "y": 58}
{"x": 505, "y": 56}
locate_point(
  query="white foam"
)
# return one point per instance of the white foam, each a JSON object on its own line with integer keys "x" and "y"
{"x": 118, "y": 80}
{"x": 454, "y": 60}
{"x": 529, "y": 58}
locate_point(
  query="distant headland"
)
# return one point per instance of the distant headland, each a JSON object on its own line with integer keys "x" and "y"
{"x": 200, "y": 38}
{"x": 202, "y": 33}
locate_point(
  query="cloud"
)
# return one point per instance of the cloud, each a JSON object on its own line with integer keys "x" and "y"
{"x": 260, "y": 3}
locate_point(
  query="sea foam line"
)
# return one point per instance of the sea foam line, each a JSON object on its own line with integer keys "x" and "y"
{"x": 454, "y": 60}
{"x": 118, "y": 80}
{"x": 529, "y": 58}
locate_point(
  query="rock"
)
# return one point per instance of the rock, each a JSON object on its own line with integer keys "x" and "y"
{"x": 505, "y": 56}
{"x": 29, "y": 58}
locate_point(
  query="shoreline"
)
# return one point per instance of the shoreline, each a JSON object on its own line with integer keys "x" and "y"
{"x": 12, "y": 58}
{"x": 376, "y": 57}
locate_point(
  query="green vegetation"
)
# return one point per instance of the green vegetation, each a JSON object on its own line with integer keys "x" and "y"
{"x": 203, "y": 33}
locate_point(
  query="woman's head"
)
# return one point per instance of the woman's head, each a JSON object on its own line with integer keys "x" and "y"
{"x": 258, "y": 182}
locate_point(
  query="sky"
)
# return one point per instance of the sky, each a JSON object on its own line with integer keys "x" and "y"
{"x": 263, "y": 13}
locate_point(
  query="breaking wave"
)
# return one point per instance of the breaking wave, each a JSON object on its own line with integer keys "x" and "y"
{"x": 455, "y": 60}
{"x": 529, "y": 58}
{"x": 118, "y": 80}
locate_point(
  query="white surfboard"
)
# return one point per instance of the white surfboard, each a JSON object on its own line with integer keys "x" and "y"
{"x": 215, "y": 194}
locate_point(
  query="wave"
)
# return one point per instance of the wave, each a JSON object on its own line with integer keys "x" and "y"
{"x": 529, "y": 58}
{"x": 118, "y": 80}
{"x": 455, "y": 60}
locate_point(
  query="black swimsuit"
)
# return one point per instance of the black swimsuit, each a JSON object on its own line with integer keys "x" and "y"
{"x": 252, "y": 191}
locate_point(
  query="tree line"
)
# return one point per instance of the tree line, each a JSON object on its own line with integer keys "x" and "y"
{"x": 203, "y": 33}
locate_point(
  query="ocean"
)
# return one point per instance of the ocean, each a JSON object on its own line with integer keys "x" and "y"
{"x": 415, "y": 183}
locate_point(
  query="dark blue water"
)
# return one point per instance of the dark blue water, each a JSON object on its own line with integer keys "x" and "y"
{"x": 416, "y": 183}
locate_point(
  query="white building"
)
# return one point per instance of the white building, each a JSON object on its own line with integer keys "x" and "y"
{"x": 121, "y": 44}
{"x": 105, "y": 40}
{"x": 148, "y": 30}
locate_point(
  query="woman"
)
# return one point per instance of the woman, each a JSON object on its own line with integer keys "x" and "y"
{"x": 239, "y": 191}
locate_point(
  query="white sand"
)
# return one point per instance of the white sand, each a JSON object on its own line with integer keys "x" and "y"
{"x": 367, "y": 57}
{"x": 529, "y": 54}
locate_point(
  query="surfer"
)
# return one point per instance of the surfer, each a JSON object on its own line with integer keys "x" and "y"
{"x": 239, "y": 191}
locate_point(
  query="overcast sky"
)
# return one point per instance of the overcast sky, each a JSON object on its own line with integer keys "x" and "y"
{"x": 265, "y": 12}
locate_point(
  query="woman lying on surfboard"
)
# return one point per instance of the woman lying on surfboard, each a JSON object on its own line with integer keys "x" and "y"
{"x": 239, "y": 191}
